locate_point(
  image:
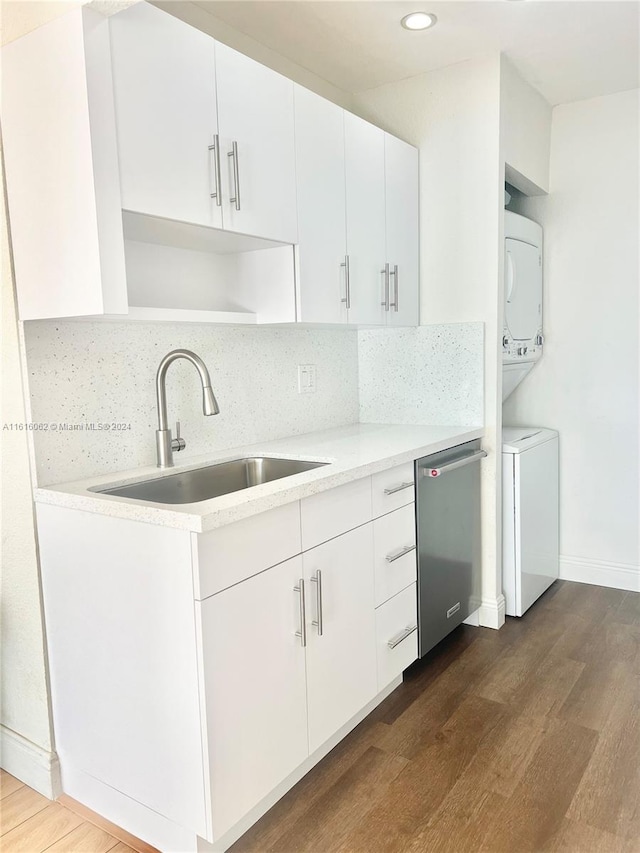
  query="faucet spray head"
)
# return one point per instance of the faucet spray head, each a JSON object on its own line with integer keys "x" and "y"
{"x": 209, "y": 403}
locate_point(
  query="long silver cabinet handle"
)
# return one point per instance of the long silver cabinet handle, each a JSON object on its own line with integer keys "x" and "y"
{"x": 302, "y": 633}
{"x": 391, "y": 558}
{"x": 347, "y": 282}
{"x": 407, "y": 632}
{"x": 317, "y": 580}
{"x": 236, "y": 175}
{"x": 385, "y": 273}
{"x": 396, "y": 288}
{"x": 451, "y": 466}
{"x": 399, "y": 488}
{"x": 216, "y": 169}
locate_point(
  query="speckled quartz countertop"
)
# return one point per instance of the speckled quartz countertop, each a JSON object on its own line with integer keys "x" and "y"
{"x": 352, "y": 452}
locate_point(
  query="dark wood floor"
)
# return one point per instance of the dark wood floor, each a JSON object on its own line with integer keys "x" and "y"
{"x": 523, "y": 739}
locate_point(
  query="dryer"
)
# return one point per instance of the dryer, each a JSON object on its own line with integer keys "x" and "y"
{"x": 522, "y": 337}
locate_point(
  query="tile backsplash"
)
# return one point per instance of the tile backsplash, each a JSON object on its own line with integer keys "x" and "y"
{"x": 425, "y": 375}
{"x": 87, "y": 372}
{"x": 102, "y": 373}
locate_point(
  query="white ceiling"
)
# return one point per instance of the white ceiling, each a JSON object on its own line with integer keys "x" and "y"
{"x": 567, "y": 49}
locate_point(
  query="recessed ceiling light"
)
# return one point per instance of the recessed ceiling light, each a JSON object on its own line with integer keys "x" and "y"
{"x": 418, "y": 21}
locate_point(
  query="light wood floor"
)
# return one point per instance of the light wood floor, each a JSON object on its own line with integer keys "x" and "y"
{"x": 30, "y": 823}
{"x": 516, "y": 741}
{"x": 523, "y": 739}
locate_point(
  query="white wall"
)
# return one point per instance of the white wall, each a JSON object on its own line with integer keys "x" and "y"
{"x": 587, "y": 383}
{"x": 453, "y": 116}
{"x": 25, "y": 733}
{"x": 525, "y": 132}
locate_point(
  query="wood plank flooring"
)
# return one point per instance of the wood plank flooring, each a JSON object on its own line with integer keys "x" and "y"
{"x": 30, "y": 823}
{"x": 514, "y": 741}
{"x": 521, "y": 740}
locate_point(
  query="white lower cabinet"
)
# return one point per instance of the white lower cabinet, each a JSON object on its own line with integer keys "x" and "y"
{"x": 396, "y": 635}
{"x": 255, "y": 689}
{"x": 394, "y": 537}
{"x": 247, "y": 670}
{"x": 341, "y": 658}
{"x": 281, "y": 678}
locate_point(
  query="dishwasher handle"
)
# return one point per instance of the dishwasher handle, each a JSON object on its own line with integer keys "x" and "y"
{"x": 451, "y": 466}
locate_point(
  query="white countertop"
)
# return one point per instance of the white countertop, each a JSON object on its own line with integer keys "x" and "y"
{"x": 354, "y": 451}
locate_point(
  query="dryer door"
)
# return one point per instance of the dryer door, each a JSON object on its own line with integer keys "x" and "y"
{"x": 523, "y": 289}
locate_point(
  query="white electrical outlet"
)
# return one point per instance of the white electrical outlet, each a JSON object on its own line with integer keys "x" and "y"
{"x": 306, "y": 379}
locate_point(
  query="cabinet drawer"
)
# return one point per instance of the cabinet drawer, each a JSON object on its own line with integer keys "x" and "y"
{"x": 395, "y": 563}
{"x": 394, "y": 619}
{"x": 336, "y": 511}
{"x": 237, "y": 551}
{"x": 392, "y": 489}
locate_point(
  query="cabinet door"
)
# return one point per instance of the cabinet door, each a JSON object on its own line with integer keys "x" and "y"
{"x": 255, "y": 111}
{"x": 401, "y": 194}
{"x": 165, "y": 96}
{"x": 322, "y": 235}
{"x": 341, "y": 661}
{"x": 61, "y": 166}
{"x": 254, "y": 680}
{"x": 364, "y": 169}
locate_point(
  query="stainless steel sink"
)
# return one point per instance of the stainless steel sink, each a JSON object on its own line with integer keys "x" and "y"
{"x": 200, "y": 484}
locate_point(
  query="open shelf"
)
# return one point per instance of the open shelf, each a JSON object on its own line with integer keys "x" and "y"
{"x": 180, "y": 272}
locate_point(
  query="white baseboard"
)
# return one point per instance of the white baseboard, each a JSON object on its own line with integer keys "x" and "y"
{"x": 36, "y": 767}
{"x": 473, "y": 619}
{"x": 492, "y": 612}
{"x": 617, "y": 575}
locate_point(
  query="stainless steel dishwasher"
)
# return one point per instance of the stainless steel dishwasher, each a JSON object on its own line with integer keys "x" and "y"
{"x": 448, "y": 527}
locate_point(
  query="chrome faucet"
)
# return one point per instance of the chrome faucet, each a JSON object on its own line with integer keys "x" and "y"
{"x": 165, "y": 444}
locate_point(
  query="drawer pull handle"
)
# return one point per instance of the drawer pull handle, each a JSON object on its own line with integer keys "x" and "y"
{"x": 216, "y": 169}
{"x": 399, "y": 488}
{"x": 302, "y": 633}
{"x": 236, "y": 175}
{"x": 396, "y": 287}
{"x": 317, "y": 580}
{"x": 347, "y": 282}
{"x": 407, "y": 632}
{"x": 391, "y": 558}
{"x": 385, "y": 272}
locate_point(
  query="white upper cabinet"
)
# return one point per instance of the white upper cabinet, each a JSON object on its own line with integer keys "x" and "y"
{"x": 205, "y": 134}
{"x": 257, "y": 153}
{"x": 62, "y": 169}
{"x": 140, "y": 129}
{"x": 166, "y": 115}
{"x": 322, "y": 234}
{"x": 401, "y": 195}
{"x": 365, "y": 186}
{"x": 358, "y": 218}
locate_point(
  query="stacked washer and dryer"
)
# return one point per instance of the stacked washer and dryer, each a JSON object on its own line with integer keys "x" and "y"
{"x": 530, "y": 537}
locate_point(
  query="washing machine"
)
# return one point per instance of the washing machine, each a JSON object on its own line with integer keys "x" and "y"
{"x": 530, "y": 536}
{"x": 522, "y": 337}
